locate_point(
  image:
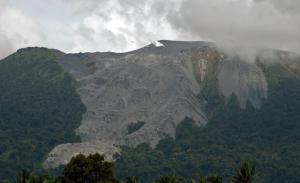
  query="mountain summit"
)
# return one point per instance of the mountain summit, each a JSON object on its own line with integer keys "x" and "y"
{"x": 55, "y": 105}
{"x": 141, "y": 96}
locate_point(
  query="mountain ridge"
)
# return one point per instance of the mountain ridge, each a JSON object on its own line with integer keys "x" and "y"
{"x": 120, "y": 89}
{"x": 154, "y": 88}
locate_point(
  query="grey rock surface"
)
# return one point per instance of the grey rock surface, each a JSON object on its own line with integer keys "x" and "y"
{"x": 62, "y": 154}
{"x": 156, "y": 85}
{"x": 246, "y": 80}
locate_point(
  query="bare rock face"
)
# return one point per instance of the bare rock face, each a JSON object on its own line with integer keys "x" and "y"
{"x": 246, "y": 80}
{"x": 156, "y": 85}
{"x": 62, "y": 154}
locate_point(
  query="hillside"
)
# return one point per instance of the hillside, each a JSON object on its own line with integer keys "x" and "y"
{"x": 39, "y": 109}
{"x": 157, "y": 85}
{"x": 268, "y": 137}
{"x": 173, "y": 107}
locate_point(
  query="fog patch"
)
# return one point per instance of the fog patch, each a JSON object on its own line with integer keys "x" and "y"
{"x": 242, "y": 28}
{"x": 17, "y": 30}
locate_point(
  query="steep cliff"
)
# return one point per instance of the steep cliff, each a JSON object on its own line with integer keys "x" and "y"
{"x": 154, "y": 85}
{"x": 158, "y": 85}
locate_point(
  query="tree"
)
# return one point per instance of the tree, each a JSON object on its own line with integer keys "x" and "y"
{"x": 210, "y": 179}
{"x": 168, "y": 179}
{"x": 201, "y": 179}
{"x": 90, "y": 169}
{"x": 244, "y": 174}
{"x": 131, "y": 179}
{"x": 23, "y": 176}
{"x": 214, "y": 179}
{"x": 27, "y": 177}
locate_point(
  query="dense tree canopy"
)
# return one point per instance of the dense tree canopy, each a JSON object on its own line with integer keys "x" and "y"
{"x": 90, "y": 169}
{"x": 39, "y": 109}
{"x": 268, "y": 137}
{"x": 94, "y": 169}
{"x": 45, "y": 110}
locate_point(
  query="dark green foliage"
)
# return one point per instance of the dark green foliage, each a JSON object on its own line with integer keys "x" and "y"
{"x": 90, "y": 169}
{"x": 94, "y": 169}
{"x": 27, "y": 177}
{"x": 133, "y": 127}
{"x": 244, "y": 174}
{"x": 168, "y": 179}
{"x": 23, "y": 176}
{"x": 131, "y": 179}
{"x": 214, "y": 179}
{"x": 39, "y": 109}
{"x": 269, "y": 137}
{"x": 201, "y": 179}
{"x": 210, "y": 179}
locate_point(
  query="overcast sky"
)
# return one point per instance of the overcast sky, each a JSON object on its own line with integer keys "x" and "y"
{"x": 123, "y": 25}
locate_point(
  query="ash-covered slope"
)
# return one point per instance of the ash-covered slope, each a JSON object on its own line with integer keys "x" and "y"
{"x": 153, "y": 85}
{"x": 152, "y": 90}
{"x": 247, "y": 81}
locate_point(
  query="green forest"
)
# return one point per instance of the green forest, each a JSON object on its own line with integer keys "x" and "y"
{"x": 39, "y": 109}
{"x": 269, "y": 137}
{"x": 94, "y": 169}
{"x": 46, "y": 110}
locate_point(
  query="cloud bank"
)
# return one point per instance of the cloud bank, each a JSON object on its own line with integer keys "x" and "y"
{"x": 241, "y": 26}
{"x": 238, "y": 26}
{"x": 117, "y": 25}
{"x": 17, "y": 30}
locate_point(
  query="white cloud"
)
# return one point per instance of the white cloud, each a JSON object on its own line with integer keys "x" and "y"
{"x": 17, "y": 30}
{"x": 239, "y": 26}
{"x": 242, "y": 26}
{"x": 285, "y": 6}
{"x": 121, "y": 25}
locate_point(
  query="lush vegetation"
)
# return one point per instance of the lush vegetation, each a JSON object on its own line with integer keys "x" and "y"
{"x": 94, "y": 169}
{"x": 39, "y": 109}
{"x": 133, "y": 127}
{"x": 269, "y": 137}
